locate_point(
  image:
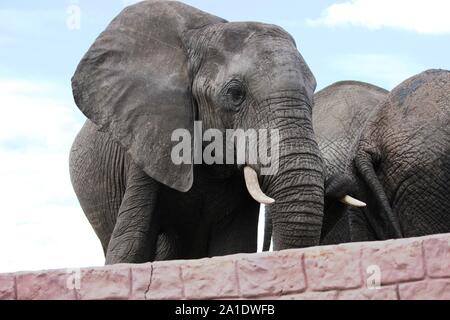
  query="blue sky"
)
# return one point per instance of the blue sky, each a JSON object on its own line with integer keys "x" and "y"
{"x": 41, "y": 224}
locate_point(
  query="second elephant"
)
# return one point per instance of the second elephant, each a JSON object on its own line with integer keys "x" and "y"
{"x": 395, "y": 150}
{"x": 392, "y": 150}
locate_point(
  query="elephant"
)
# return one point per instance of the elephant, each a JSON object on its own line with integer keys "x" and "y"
{"x": 403, "y": 158}
{"x": 393, "y": 150}
{"x": 389, "y": 149}
{"x": 161, "y": 66}
{"x": 341, "y": 112}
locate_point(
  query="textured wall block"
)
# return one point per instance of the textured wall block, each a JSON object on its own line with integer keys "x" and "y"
{"x": 312, "y": 295}
{"x": 383, "y": 293}
{"x": 157, "y": 281}
{"x": 333, "y": 267}
{"x": 141, "y": 278}
{"x": 46, "y": 285}
{"x": 105, "y": 283}
{"x": 437, "y": 256}
{"x": 7, "y": 287}
{"x": 425, "y": 290}
{"x": 274, "y": 274}
{"x": 210, "y": 278}
{"x": 415, "y": 268}
{"x": 397, "y": 261}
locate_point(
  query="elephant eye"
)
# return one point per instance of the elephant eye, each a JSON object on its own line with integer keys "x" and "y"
{"x": 235, "y": 93}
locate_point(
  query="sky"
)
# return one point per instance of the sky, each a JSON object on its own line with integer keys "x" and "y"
{"x": 41, "y": 42}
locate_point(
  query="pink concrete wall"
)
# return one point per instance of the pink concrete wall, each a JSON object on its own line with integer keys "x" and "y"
{"x": 416, "y": 268}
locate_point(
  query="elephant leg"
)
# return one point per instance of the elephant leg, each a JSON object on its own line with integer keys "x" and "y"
{"x": 339, "y": 233}
{"x": 135, "y": 233}
{"x": 360, "y": 226}
{"x": 237, "y": 235}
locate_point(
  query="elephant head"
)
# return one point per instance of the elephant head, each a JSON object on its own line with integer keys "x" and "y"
{"x": 161, "y": 65}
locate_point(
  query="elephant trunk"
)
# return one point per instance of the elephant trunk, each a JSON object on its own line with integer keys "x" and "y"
{"x": 298, "y": 184}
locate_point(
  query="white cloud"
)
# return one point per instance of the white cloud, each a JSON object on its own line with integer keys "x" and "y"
{"x": 385, "y": 70}
{"x": 41, "y": 223}
{"x": 422, "y": 16}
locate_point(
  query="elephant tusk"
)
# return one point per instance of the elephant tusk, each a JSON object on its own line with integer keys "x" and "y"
{"x": 353, "y": 202}
{"x": 251, "y": 181}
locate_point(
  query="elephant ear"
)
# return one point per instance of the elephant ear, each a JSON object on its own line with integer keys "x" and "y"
{"x": 135, "y": 84}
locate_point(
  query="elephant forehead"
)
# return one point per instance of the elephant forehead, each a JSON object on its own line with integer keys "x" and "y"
{"x": 343, "y": 107}
{"x": 274, "y": 64}
{"x": 235, "y": 35}
{"x": 426, "y": 92}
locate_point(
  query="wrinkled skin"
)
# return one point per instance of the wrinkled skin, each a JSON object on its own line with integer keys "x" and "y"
{"x": 401, "y": 158}
{"x": 391, "y": 150}
{"x": 139, "y": 82}
{"x": 340, "y": 115}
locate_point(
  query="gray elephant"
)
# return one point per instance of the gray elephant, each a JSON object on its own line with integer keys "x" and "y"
{"x": 397, "y": 157}
{"x": 341, "y": 112}
{"x": 159, "y": 66}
